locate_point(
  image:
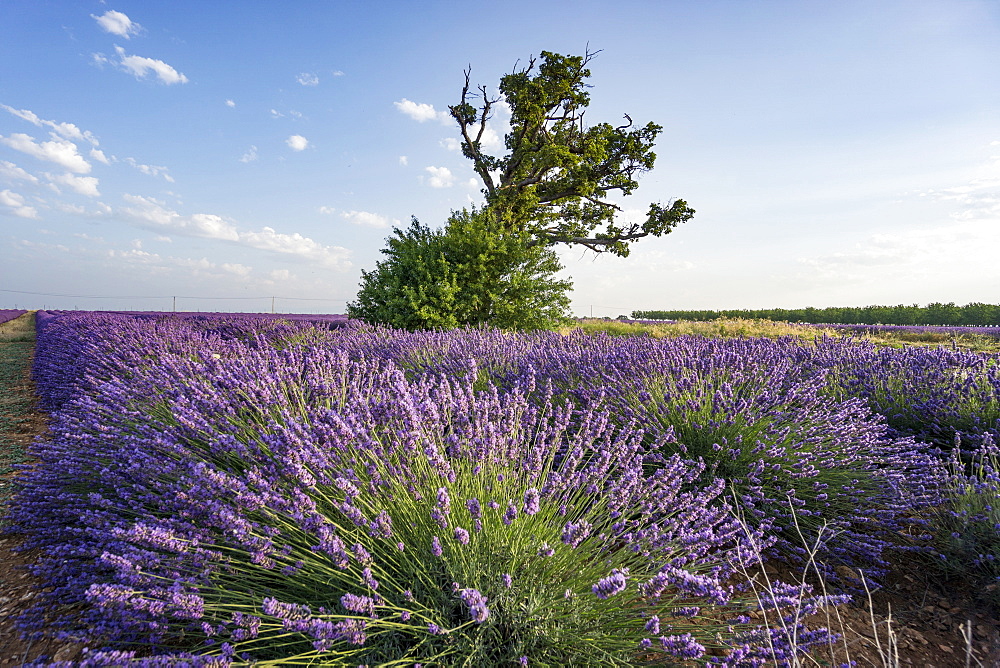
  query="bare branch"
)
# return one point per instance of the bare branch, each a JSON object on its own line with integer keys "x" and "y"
{"x": 624, "y": 127}
{"x": 477, "y": 156}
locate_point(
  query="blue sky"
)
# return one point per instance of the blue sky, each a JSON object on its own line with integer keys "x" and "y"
{"x": 837, "y": 153}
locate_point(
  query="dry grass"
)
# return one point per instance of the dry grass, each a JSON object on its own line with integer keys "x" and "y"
{"x": 737, "y": 327}
{"x": 19, "y": 330}
{"x": 721, "y": 328}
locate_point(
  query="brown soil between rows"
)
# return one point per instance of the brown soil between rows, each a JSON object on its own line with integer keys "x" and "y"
{"x": 915, "y": 620}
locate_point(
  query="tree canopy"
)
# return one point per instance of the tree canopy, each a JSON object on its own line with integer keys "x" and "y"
{"x": 553, "y": 183}
{"x": 976, "y": 314}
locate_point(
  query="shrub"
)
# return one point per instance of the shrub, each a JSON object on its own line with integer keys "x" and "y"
{"x": 471, "y": 273}
{"x": 968, "y": 523}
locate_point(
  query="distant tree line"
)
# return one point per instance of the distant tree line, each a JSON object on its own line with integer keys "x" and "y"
{"x": 975, "y": 314}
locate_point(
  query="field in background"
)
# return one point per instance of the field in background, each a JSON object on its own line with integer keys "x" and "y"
{"x": 964, "y": 338}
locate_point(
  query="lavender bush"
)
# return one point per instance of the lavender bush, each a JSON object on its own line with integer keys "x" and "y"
{"x": 211, "y": 494}
{"x": 929, "y": 393}
{"x": 755, "y": 410}
{"x": 968, "y": 523}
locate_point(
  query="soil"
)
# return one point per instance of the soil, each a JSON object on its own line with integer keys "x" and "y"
{"x": 914, "y": 620}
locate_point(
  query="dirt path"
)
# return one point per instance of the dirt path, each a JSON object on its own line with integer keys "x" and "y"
{"x": 20, "y": 423}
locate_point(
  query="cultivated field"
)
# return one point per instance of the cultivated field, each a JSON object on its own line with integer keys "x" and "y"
{"x": 221, "y": 490}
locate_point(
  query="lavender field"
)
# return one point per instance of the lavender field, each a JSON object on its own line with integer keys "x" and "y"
{"x": 219, "y": 489}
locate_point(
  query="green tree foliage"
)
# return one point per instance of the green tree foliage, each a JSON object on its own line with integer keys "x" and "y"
{"x": 471, "y": 272}
{"x": 552, "y": 185}
{"x": 975, "y": 314}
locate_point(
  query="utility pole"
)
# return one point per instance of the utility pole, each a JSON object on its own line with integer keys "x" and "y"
{"x": 272, "y": 304}
{"x": 175, "y": 304}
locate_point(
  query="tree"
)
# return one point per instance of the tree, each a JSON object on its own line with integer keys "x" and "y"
{"x": 471, "y": 272}
{"x": 553, "y": 183}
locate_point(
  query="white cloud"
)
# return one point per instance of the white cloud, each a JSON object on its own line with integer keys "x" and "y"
{"x": 441, "y": 177}
{"x": 491, "y": 139}
{"x": 422, "y": 112}
{"x": 451, "y": 143}
{"x": 117, "y": 23}
{"x": 151, "y": 170}
{"x": 403, "y": 160}
{"x": 238, "y": 269}
{"x": 230, "y": 104}
{"x": 139, "y": 67}
{"x": 979, "y": 198}
{"x": 10, "y": 173}
{"x": 960, "y": 250}
{"x": 99, "y": 156}
{"x": 75, "y": 209}
{"x": 153, "y": 214}
{"x": 84, "y": 185}
{"x": 251, "y": 155}
{"x": 337, "y": 73}
{"x": 280, "y": 275}
{"x": 367, "y": 219}
{"x": 297, "y": 143}
{"x": 58, "y": 150}
{"x": 276, "y": 114}
{"x": 212, "y": 226}
{"x": 65, "y": 130}
{"x": 17, "y": 205}
{"x": 307, "y": 79}
{"x": 296, "y": 244}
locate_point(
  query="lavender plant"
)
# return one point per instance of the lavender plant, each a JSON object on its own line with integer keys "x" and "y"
{"x": 755, "y": 410}
{"x": 297, "y": 506}
{"x": 798, "y": 461}
{"x": 968, "y": 523}
{"x": 929, "y": 393}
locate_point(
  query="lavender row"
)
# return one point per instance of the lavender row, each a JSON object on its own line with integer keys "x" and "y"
{"x": 78, "y": 350}
{"x": 933, "y": 394}
{"x": 200, "y": 482}
{"x": 9, "y": 314}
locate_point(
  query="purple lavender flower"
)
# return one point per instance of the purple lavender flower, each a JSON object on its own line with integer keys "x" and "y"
{"x": 531, "y": 501}
{"x": 576, "y": 532}
{"x": 475, "y": 510}
{"x": 477, "y": 604}
{"x": 362, "y": 605}
{"x": 612, "y": 584}
{"x": 353, "y": 631}
{"x": 683, "y": 645}
{"x": 368, "y": 580}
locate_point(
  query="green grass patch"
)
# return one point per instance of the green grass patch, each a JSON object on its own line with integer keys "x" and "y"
{"x": 16, "y": 346}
